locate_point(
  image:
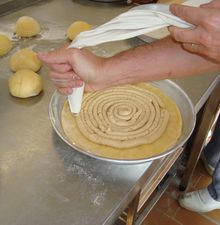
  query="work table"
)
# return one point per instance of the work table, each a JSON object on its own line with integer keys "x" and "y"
{"x": 43, "y": 181}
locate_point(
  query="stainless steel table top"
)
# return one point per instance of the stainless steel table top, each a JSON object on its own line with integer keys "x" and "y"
{"x": 42, "y": 180}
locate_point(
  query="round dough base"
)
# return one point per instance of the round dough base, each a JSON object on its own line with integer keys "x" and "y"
{"x": 5, "y": 45}
{"x": 76, "y": 28}
{"x": 27, "y": 26}
{"x": 165, "y": 142}
{"x": 25, "y": 84}
{"x": 25, "y": 59}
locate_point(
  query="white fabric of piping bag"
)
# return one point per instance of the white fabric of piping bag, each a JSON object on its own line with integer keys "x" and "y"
{"x": 136, "y": 21}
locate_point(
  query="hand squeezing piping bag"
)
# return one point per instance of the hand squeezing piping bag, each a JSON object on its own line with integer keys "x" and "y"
{"x": 136, "y": 21}
{"x": 75, "y": 99}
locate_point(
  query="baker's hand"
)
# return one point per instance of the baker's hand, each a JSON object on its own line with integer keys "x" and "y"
{"x": 70, "y": 67}
{"x": 204, "y": 38}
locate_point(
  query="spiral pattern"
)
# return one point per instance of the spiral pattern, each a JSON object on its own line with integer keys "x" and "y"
{"x": 122, "y": 117}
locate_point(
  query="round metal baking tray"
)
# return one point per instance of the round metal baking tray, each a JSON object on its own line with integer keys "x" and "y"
{"x": 168, "y": 87}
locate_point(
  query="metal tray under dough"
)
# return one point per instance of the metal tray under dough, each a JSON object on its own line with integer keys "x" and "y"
{"x": 168, "y": 87}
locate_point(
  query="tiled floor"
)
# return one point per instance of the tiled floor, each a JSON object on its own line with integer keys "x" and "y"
{"x": 168, "y": 212}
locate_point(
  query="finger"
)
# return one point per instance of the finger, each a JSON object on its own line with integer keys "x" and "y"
{"x": 57, "y": 57}
{"x": 194, "y": 48}
{"x": 63, "y": 76}
{"x": 212, "y": 54}
{"x": 61, "y": 68}
{"x": 199, "y": 49}
{"x": 65, "y": 91}
{"x": 197, "y": 35}
{"x": 184, "y": 35}
{"x": 68, "y": 84}
{"x": 64, "y": 82}
{"x": 68, "y": 90}
{"x": 59, "y": 79}
{"x": 190, "y": 14}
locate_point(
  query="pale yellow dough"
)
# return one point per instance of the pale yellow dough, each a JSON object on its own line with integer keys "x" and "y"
{"x": 27, "y": 26}
{"x": 5, "y": 45}
{"x": 25, "y": 59}
{"x": 25, "y": 83}
{"x": 76, "y": 28}
{"x": 165, "y": 141}
{"x": 122, "y": 117}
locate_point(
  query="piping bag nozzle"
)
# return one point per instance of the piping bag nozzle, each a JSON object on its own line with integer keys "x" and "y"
{"x": 75, "y": 99}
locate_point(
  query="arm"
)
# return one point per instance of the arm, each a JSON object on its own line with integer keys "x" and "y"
{"x": 160, "y": 60}
{"x": 167, "y": 58}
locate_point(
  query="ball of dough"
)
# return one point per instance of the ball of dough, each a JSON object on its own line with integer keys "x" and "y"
{"x": 27, "y": 26}
{"x": 76, "y": 28}
{"x": 5, "y": 45}
{"x": 25, "y": 59}
{"x": 25, "y": 83}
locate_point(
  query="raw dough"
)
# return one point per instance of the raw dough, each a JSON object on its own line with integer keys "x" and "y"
{"x": 25, "y": 59}
{"x": 165, "y": 139}
{"x": 77, "y": 27}
{"x": 5, "y": 45}
{"x": 25, "y": 83}
{"x": 27, "y": 26}
{"x": 122, "y": 117}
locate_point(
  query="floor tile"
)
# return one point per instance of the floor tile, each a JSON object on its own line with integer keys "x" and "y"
{"x": 167, "y": 210}
{"x": 215, "y": 215}
{"x": 157, "y": 217}
{"x": 205, "y": 178}
{"x": 203, "y": 182}
{"x": 168, "y": 205}
{"x": 191, "y": 218}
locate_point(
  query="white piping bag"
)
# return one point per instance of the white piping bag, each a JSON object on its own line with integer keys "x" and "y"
{"x": 76, "y": 98}
{"x": 136, "y": 21}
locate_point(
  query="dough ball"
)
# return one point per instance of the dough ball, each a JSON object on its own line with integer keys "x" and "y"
{"x": 5, "y": 45}
{"x": 76, "y": 28}
{"x": 25, "y": 83}
{"x": 25, "y": 59}
{"x": 27, "y": 26}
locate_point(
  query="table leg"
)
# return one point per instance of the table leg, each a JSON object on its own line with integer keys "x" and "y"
{"x": 209, "y": 116}
{"x": 132, "y": 210}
